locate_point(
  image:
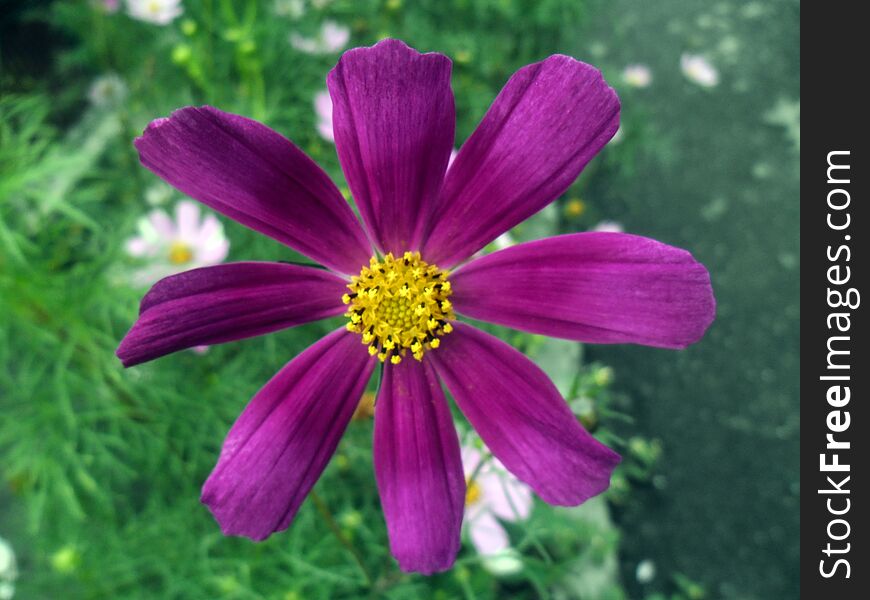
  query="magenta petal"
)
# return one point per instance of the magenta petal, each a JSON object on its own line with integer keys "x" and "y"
{"x": 549, "y": 120}
{"x": 418, "y": 468}
{"x": 593, "y": 287}
{"x": 521, "y": 417}
{"x": 394, "y": 119}
{"x": 259, "y": 178}
{"x": 281, "y": 443}
{"x": 228, "y": 302}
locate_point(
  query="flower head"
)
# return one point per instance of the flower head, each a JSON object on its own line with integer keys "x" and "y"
{"x": 331, "y": 38}
{"x": 699, "y": 70}
{"x": 171, "y": 246}
{"x": 158, "y": 12}
{"x": 394, "y": 119}
{"x": 638, "y": 76}
{"x": 492, "y": 494}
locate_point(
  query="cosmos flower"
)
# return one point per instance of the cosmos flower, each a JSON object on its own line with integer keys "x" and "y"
{"x": 492, "y": 494}
{"x": 638, "y": 76}
{"x": 699, "y": 70}
{"x": 402, "y": 280}
{"x": 331, "y": 38}
{"x": 158, "y": 12}
{"x": 170, "y": 247}
{"x": 323, "y": 110}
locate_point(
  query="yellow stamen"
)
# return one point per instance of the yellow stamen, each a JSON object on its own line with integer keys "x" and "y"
{"x": 399, "y": 306}
{"x": 180, "y": 253}
{"x": 473, "y": 493}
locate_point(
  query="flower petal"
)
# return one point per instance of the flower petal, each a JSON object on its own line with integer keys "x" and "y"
{"x": 521, "y": 417}
{"x": 187, "y": 220}
{"x": 550, "y": 119}
{"x": 597, "y": 287}
{"x": 393, "y": 119}
{"x": 487, "y": 534}
{"x": 504, "y": 495}
{"x": 228, "y": 302}
{"x": 418, "y": 468}
{"x": 259, "y": 178}
{"x": 278, "y": 447}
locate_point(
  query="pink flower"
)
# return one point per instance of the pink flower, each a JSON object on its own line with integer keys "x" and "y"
{"x": 157, "y": 12}
{"x": 493, "y": 494}
{"x": 331, "y": 38}
{"x": 699, "y": 70}
{"x": 170, "y": 247}
{"x": 323, "y": 109}
{"x": 400, "y": 277}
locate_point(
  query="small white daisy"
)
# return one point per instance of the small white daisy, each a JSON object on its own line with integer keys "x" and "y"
{"x": 323, "y": 109}
{"x": 158, "y": 12}
{"x": 637, "y": 76}
{"x": 493, "y": 494}
{"x": 168, "y": 247}
{"x": 699, "y": 70}
{"x": 331, "y": 38}
{"x": 8, "y": 570}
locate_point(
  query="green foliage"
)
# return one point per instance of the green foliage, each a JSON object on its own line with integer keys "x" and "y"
{"x": 102, "y": 466}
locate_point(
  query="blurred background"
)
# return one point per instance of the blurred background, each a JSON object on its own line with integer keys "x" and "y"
{"x": 100, "y": 467}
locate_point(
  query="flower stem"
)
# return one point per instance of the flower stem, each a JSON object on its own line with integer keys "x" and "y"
{"x": 324, "y": 511}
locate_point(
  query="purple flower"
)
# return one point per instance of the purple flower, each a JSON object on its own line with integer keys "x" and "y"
{"x": 401, "y": 280}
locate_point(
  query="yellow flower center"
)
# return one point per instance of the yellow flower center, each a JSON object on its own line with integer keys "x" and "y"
{"x": 472, "y": 493}
{"x": 180, "y": 253}
{"x": 399, "y": 305}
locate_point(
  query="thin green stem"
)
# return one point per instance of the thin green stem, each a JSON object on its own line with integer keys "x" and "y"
{"x": 324, "y": 511}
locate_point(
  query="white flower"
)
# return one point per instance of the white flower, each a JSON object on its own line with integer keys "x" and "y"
{"x": 323, "y": 109}
{"x": 609, "y": 226}
{"x": 107, "y": 90}
{"x": 169, "y": 247}
{"x": 8, "y": 570}
{"x": 699, "y": 70}
{"x": 638, "y": 76}
{"x": 493, "y": 494}
{"x": 645, "y": 572}
{"x": 331, "y": 38}
{"x": 158, "y": 12}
